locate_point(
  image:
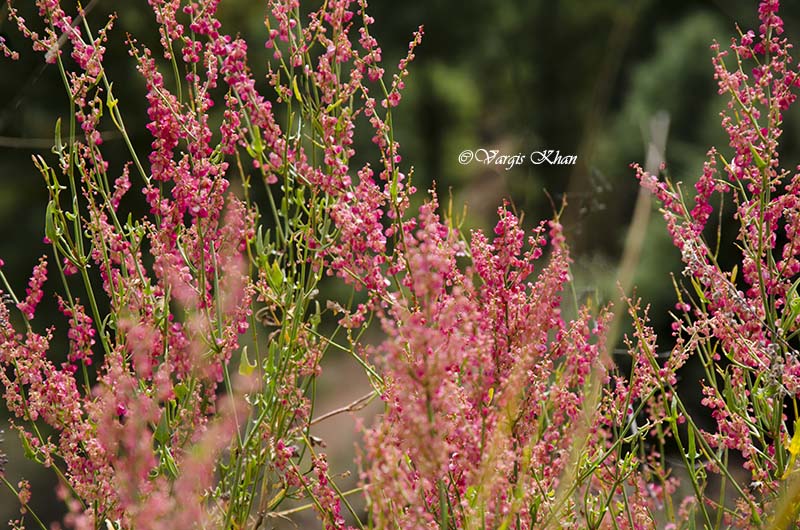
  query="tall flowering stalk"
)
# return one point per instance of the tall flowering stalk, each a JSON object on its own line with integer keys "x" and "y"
{"x": 742, "y": 319}
{"x": 164, "y": 300}
{"x": 155, "y": 315}
{"x": 499, "y": 412}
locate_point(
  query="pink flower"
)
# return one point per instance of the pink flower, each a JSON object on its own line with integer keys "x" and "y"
{"x": 34, "y": 291}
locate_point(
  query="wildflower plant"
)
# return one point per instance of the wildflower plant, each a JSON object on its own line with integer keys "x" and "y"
{"x": 485, "y": 384}
{"x": 500, "y": 412}
{"x": 196, "y": 329}
{"x": 741, "y": 318}
{"x": 140, "y": 438}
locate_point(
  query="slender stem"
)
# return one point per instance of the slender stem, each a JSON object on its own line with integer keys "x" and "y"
{"x": 26, "y": 506}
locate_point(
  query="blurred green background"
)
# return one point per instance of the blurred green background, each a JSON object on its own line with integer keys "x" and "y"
{"x": 583, "y": 77}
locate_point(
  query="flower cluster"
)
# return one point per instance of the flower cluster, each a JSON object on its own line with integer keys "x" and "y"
{"x": 490, "y": 390}
{"x": 743, "y": 321}
{"x": 177, "y": 288}
{"x": 502, "y": 407}
{"x": 181, "y": 281}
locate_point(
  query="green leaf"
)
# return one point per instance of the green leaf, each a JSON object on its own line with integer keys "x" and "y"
{"x": 393, "y": 188}
{"x": 259, "y": 242}
{"x": 673, "y": 409}
{"x": 245, "y": 366}
{"x": 181, "y": 391}
{"x": 162, "y": 433}
{"x": 111, "y": 101}
{"x": 760, "y": 164}
{"x": 216, "y": 155}
{"x": 472, "y": 496}
{"x": 275, "y": 276}
{"x": 50, "y": 229}
{"x": 333, "y": 106}
{"x": 28, "y": 449}
{"x": 58, "y": 147}
{"x": 698, "y": 289}
{"x": 258, "y": 146}
{"x": 793, "y": 305}
{"x": 316, "y": 317}
{"x": 296, "y": 90}
{"x": 169, "y": 463}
